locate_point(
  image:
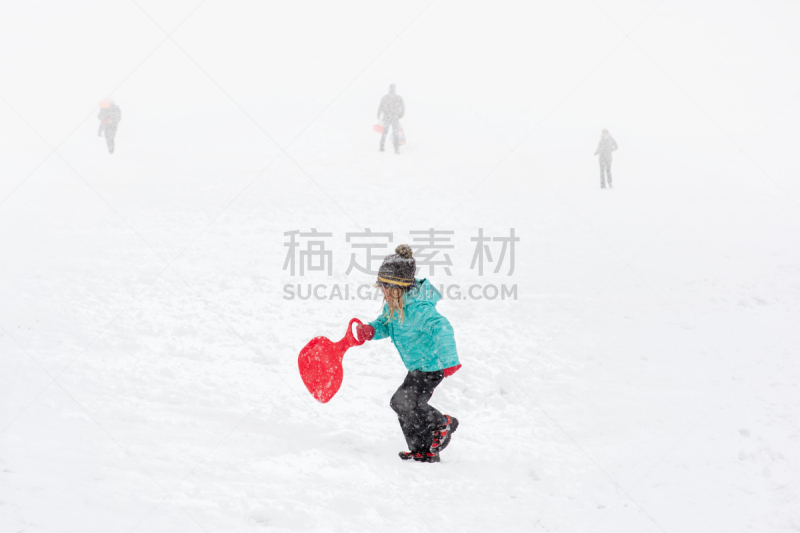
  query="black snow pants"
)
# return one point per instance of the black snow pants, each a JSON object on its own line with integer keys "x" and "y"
{"x": 417, "y": 418}
{"x": 605, "y": 170}
{"x": 110, "y": 131}
{"x": 387, "y": 122}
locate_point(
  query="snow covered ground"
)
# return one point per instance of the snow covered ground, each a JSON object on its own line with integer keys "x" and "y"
{"x": 646, "y": 378}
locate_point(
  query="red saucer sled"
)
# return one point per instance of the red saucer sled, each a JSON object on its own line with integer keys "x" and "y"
{"x": 401, "y": 135}
{"x": 320, "y": 363}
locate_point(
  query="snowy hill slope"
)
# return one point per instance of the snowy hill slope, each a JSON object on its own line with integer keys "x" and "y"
{"x": 644, "y": 378}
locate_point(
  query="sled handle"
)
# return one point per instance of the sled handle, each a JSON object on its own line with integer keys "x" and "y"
{"x": 351, "y": 339}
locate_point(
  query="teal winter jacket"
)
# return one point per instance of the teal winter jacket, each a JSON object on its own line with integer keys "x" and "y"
{"x": 425, "y": 338}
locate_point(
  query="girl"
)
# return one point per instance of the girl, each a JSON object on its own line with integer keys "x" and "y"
{"x": 425, "y": 341}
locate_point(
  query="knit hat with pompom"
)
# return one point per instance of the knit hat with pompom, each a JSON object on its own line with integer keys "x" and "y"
{"x": 398, "y": 270}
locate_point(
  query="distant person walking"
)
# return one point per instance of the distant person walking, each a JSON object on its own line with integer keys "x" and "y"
{"x": 110, "y": 115}
{"x": 606, "y": 145}
{"x": 392, "y": 109}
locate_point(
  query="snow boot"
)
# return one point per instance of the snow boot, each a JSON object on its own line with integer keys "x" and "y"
{"x": 427, "y": 457}
{"x": 443, "y": 434}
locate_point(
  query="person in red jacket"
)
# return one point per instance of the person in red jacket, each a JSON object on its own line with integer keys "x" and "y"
{"x": 110, "y": 115}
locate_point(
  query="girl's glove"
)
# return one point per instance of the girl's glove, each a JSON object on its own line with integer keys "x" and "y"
{"x": 365, "y": 332}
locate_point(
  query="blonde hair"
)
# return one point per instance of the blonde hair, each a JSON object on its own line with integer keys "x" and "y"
{"x": 393, "y": 296}
{"x": 394, "y": 300}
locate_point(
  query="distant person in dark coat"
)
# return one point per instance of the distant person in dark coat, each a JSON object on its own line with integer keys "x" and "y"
{"x": 110, "y": 115}
{"x": 392, "y": 109}
{"x": 606, "y": 145}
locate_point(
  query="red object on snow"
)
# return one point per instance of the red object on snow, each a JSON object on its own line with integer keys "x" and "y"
{"x": 450, "y": 371}
{"x": 378, "y": 128}
{"x": 365, "y": 332}
{"x": 320, "y": 363}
